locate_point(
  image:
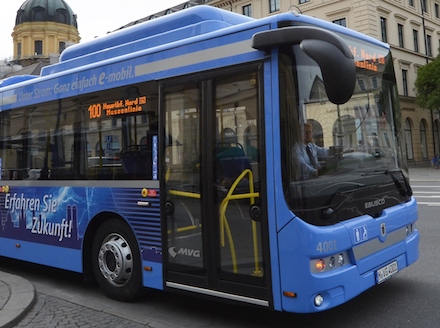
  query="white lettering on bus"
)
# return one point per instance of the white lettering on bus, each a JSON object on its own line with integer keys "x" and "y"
{"x": 40, "y": 226}
{"x": 42, "y": 92}
{"x": 23, "y": 96}
{"x": 124, "y": 74}
{"x": 60, "y": 88}
{"x": 189, "y": 252}
{"x": 21, "y": 203}
{"x": 84, "y": 83}
{"x": 374, "y": 203}
{"x": 184, "y": 251}
{"x": 18, "y": 203}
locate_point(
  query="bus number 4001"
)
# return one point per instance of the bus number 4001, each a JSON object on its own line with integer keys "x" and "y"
{"x": 326, "y": 246}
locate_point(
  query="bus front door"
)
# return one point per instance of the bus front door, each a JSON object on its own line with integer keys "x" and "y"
{"x": 215, "y": 232}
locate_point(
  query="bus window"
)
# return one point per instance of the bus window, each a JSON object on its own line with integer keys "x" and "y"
{"x": 109, "y": 135}
{"x": 349, "y": 140}
{"x": 36, "y": 149}
{"x": 183, "y": 176}
{"x": 236, "y": 166}
{"x": 123, "y": 126}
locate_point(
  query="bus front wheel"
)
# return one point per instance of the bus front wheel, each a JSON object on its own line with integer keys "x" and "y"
{"x": 116, "y": 261}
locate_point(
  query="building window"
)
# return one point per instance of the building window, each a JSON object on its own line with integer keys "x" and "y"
{"x": 342, "y": 22}
{"x": 405, "y": 82}
{"x": 400, "y": 34}
{"x": 428, "y": 45}
{"x": 62, "y": 46}
{"x": 39, "y": 15}
{"x": 38, "y": 47}
{"x": 383, "y": 29}
{"x": 19, "y": 50}
{"x": 374, "y": 82}
{"x": 436, "y": 137}
{"x": 62, "y": 16}
{"x": 424, "y": 8}
{"x": 423, "y": 139}
{"x": 247, "y": 10}
{"x": 302, "y": 1}
{"x": 274, "y": 5}
{"x": 408, "y": 140}
{"x": 411, "y": 3}
{"x": 437, "y": 11}
{"x": 416, "y": 40}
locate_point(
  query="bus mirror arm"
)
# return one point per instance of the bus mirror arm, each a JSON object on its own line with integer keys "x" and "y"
{"x": 328, "y": 49}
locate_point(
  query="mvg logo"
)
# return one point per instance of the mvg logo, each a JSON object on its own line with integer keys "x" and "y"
{"x": 184, "y": 251}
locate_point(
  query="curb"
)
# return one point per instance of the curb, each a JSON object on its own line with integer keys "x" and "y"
{"x": 20, "y": 301}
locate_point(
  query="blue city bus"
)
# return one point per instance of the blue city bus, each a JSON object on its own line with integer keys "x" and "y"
{"x": 166, "y": 155}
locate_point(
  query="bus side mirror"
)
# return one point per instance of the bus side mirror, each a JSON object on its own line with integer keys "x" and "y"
{"x": 325, "y": 47}
{"x": 338, "y": 71}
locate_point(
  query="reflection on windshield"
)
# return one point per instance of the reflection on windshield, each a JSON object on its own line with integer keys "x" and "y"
{"x": 331, "y": 150}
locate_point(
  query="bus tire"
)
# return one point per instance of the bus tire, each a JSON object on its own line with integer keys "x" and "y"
{"x": 116, "y": 261}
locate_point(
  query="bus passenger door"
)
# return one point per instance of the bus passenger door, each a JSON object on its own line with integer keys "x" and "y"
{"x": 215, "y": 223}
{"x": 183, "y": 207}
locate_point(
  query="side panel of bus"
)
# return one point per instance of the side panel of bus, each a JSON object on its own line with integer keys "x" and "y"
{"x": 72, "y": 161}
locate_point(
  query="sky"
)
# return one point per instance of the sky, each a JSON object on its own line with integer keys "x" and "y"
{"x": 95, "y": 17}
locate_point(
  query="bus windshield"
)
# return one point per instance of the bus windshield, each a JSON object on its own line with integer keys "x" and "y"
{"x": 340, "y": 161}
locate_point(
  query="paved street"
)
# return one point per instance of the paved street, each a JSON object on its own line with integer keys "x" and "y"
{"x": 54, "y": 312}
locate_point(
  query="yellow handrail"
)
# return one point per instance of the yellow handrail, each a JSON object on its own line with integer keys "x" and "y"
{"x": 224, "y": 225}
{"x": 251, "y": 195}
{"x": 184, "y": 193}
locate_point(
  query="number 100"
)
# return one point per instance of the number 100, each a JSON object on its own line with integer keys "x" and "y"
{"x": 95, "y": 111}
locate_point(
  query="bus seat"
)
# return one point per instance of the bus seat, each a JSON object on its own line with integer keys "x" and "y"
{"x": 230, "y": 163}
{"x": 137, "y": 162}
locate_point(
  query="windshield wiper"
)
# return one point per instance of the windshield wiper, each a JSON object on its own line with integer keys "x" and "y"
{"x": 404, "y": 191}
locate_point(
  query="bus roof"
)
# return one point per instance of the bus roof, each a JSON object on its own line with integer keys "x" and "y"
{"x": 195, "y": 20}
{"x": 163, "y": 31}
{"x": 159, "y": 31}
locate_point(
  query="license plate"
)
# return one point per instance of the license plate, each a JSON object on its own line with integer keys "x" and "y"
{"x": 386, "y": 272}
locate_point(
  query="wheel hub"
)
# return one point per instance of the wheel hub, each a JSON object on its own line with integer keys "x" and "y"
{"x": 115, "y": 260}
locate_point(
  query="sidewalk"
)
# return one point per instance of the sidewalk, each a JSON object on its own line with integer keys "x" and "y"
{"x": 423, "y": 174}
{"x": 17, "y": 296}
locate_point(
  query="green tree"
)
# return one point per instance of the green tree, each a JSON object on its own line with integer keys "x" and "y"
{"x": 427, "y": 85}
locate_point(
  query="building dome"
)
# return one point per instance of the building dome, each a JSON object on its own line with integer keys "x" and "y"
{"x": 43, "y": 29}
{"x": 57, "y": 11}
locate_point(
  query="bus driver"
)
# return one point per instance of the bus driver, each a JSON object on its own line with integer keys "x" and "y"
{"x": 307, "y": 154}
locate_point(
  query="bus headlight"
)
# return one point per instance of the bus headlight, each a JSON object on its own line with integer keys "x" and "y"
{"x": 341, "y": 259}
{"x": 320, "y": 265}
{"x": 329, "y": 263}
{"x": 332, "y": 262}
